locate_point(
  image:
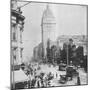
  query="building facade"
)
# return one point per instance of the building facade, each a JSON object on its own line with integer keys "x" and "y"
{"x": 79, "y": 40}
{"x": 37, "y": 52}
{"x": 17, "y": 25}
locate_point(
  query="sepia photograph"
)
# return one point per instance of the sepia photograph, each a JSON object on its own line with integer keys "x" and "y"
{"x": 49, "y": 44}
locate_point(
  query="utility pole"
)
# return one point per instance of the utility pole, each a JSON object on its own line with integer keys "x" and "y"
{"x": 67, "y": 55}
{"x": 19, "y": 7}
{"x": 23, "y": 5}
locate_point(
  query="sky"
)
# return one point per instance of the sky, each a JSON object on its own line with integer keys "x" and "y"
{"x": 70, "y": 20}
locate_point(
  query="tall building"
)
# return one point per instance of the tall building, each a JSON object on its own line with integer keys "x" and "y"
{"x": 17, "y": 25}
{"x": 48, "y": 25}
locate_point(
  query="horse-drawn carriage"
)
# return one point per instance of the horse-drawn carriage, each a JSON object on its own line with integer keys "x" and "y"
{"x": 70, "y": 73}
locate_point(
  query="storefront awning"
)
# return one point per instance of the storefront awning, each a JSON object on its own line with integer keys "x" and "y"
{"x": 19, "y": 76}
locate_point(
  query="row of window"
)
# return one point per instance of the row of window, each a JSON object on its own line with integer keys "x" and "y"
{"x": 15, "y": 53}
{"x": 15, "y": 33}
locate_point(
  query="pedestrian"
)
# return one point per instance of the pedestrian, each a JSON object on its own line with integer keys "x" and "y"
{"x": 29, "y": 84}
{"x": 78, "y": 80}
{"x": 38, "y": 84}
{"x": 33, "y": 83}
{"x": 56, "y": 75}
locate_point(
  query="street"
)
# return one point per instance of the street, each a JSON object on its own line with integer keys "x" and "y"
{"x": 56, "y": 80}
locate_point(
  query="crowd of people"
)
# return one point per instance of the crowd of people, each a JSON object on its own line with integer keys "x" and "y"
{"x": 37, "y": 80}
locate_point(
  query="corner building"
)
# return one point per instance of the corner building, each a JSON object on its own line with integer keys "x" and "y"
{"x": 17, "y": 27}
